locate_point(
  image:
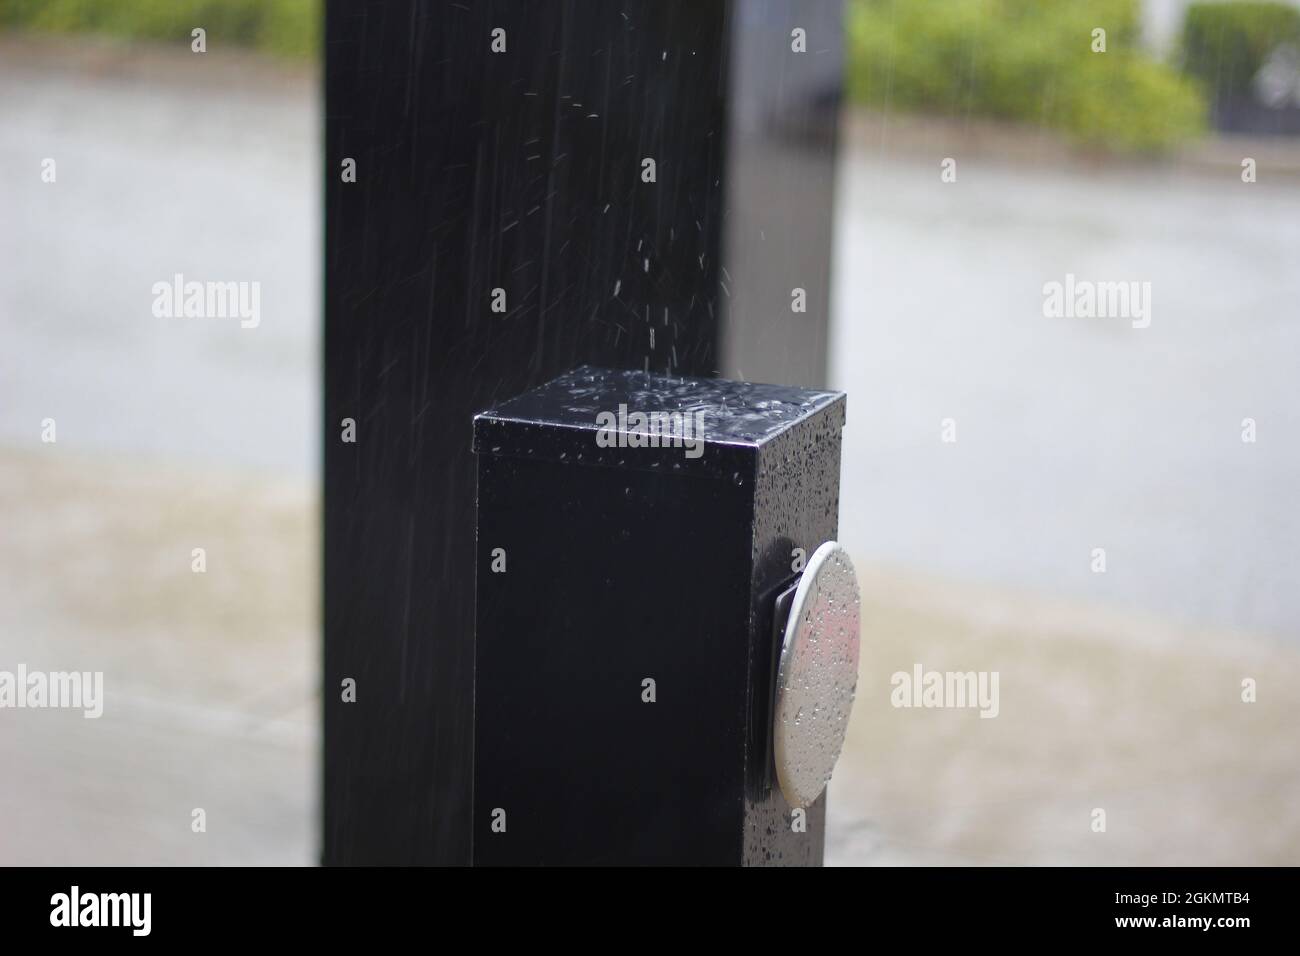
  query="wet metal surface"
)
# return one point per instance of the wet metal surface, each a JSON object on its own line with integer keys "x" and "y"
{"x": 735, "y": 412}
{"x": 602, "y": 569}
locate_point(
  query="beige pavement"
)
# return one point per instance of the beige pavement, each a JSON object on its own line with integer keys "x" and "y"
{"x": 210, "y": 679}
{"x": 1131, "y": 715}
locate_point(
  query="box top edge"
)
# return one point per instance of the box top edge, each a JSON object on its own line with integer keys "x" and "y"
{"x": 620, "y": 402}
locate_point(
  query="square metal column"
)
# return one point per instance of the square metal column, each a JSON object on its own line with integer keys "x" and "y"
{"x": 627, "y": 569}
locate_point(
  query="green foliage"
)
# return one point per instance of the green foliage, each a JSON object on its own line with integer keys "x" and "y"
{"x": 1129, "y": 104}
{"x": 1026, "y": 60}
{"x": 1225, "y": 44}
{"x": 287, "y": 28}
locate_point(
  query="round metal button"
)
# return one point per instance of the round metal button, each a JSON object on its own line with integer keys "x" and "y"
{"x": 817, "y": 675}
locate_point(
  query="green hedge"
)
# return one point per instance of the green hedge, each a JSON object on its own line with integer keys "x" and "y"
{"x": 1225, "y": 44}
{"x": 287, "y": 28}
{"x": 1024, "y": 60}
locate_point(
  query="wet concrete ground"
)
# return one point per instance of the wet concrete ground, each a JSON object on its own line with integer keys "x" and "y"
{"x": 1119, "y": 690}
{"x": 210, "y": 679}
{"x": 171, "y": 434}
{"x": 1072, "y": 433}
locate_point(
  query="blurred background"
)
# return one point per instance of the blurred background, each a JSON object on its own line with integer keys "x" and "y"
{"x": 1119, "y": 690}
{"x": 172, "y": 434}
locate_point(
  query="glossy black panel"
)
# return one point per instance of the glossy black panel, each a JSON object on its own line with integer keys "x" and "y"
{"x": 475, "y": 171}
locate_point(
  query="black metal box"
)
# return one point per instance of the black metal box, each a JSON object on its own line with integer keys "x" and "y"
{"x": 633, "y": 533}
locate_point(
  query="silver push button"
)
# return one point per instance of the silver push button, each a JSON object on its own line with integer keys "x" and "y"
{"x": 817, "y": 675}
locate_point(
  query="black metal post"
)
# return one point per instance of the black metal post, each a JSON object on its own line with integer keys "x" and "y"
{"x": 490, "y": 224}
{"x": 634, "y": 532}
